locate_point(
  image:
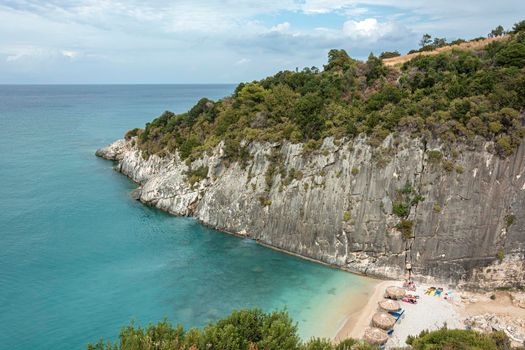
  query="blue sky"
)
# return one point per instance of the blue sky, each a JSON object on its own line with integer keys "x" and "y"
{"x": 212, "y": 41}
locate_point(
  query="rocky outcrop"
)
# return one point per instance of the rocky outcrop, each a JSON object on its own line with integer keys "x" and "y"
{"x": 335, "y": 205}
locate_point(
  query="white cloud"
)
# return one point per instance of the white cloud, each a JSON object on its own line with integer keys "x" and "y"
{"x": 187, "y": 40}
{"x": 281, "y": 27}
{"x": 242, "y": 61}
{"x": 369, "y": 29}
{"x": 70, "y": 54}
{"x": 322, "y": 6}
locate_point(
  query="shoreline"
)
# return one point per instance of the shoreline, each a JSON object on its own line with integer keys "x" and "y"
{"x": 355, "y": 323}
{"x": 430, "y": 313}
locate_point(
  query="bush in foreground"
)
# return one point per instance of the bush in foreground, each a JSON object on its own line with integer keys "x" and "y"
{"x": 243, "y": 329}
{"x": 459, "y": 339}
{"x": 256, "y": 330}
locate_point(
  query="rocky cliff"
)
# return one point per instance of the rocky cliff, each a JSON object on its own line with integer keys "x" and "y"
{"x": 383, "y": 211}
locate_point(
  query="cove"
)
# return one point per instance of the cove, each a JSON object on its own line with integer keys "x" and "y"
{"x": 79, "y": 258}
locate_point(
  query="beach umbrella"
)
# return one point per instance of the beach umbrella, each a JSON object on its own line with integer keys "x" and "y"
{"x": 375, "y": 336}
{"x": 383, "y": 320}
{"x": 389, "y": 305}
{"x": 395, "y": 292}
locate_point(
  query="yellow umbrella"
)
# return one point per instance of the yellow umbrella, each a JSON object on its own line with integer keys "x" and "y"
{"x": 375, "y": 336}
{"x": 389, "y": 305}
{"x": 383, "y": 320}
{"x": 395, "y": 292}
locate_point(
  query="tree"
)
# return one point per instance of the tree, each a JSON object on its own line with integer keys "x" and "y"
{"x": 439, "y": 42}
{"x": 375, "y": 68}
{"x": 389, "y": 54}
{"x": 512, "y": 55}
{"x": 498, "y": 31}
{"x": 425, "y": 40}
{"x": 338, "y": 60}
{"x": 519, "y": 27}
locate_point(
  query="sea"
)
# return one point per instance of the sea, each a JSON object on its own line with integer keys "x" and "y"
{"x": 80, "y": 259}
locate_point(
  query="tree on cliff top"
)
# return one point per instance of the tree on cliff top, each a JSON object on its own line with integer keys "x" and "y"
{"x": 457, "y": 96}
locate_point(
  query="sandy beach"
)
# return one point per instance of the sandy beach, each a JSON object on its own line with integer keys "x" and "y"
{"x": 431, "y": 312}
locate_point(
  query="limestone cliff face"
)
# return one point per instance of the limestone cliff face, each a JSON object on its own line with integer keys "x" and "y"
{"x": 334, "y": 205}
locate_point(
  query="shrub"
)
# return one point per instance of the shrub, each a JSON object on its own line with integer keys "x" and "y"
{"x": 247, "y": 329}
{"x": 448, "y": 165}
{"x": 458, "y": 339}
{"x": 405, "y": 227}
{"x": 400, "y": 209}
{"x": 265, "y": 201}
{"x": 132, "y": 133}
{"x": 510, "y": 219}
{"x": 500, "y": 255}
{"x": 195, "y": 175}
{"x": 318, "y": 344}
{"x": 355, "y": 171}
{"x": 389, "y": 54}
{"x": 347, "y": 216}
{"x": 434, "y": 156}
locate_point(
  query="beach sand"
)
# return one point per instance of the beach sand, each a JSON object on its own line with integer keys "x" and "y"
{"x": 356, "y": 322}
{"x": 431, "y": 312}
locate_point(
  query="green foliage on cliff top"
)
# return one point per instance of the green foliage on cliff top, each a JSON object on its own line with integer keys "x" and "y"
{"x": 454, "y": 96}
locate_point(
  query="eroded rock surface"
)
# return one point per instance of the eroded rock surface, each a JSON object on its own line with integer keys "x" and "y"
{"x": 335, "y": 205}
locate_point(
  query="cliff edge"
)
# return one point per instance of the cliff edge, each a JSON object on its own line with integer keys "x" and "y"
{"x": 385, "y": 211}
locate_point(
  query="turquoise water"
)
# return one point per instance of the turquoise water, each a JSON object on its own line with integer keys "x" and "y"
{"x": 79, "y": 258}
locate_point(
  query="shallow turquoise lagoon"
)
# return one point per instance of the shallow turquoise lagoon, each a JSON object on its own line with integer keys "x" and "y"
{"x": 79, "y": 258}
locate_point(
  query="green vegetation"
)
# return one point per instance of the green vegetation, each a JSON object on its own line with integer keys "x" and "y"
{"x": 455, "y": 96}
{"x": 196, "y": 175}
{"x": 347, "y": 216}
{"x": 458, "y": 339}
{"x": 498, "y": 31}
{"x": 500, "y": 255}
{"x": 389, "y": 54}
{"x": 405, "y": 199}
{"x": 406, "y": 228}
{"x": 254, "y": 330}
{"x": 242, "y": 330}
{"x": 510, "y": 219}
{"x": 265, "y": 201}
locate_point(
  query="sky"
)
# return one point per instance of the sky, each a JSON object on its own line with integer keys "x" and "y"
{"x": 213, "y": 41}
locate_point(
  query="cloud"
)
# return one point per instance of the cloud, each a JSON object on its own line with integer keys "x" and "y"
{"x": 189, "y": 41}
{"x": 70, "y": 54}
{"x": 281, "y": 27}
{"x": 371, "y": 29}
{"x": 242, "y": 61}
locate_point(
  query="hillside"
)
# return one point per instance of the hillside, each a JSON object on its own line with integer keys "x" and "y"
{"x": 380, "y": 171}
{"x": 473, "y": 45}
{"x": 456, "y": 96}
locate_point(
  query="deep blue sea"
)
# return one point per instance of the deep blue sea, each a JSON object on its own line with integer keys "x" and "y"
{"x": 79, "y": 258}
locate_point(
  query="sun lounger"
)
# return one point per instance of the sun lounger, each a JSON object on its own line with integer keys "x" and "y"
{"x": 397, "y": 315}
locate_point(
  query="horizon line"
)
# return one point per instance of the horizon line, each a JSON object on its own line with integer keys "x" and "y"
{"x": 42, "y": 84}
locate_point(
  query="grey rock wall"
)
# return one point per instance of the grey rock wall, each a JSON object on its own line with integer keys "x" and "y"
{"x": 339, "y": 211}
